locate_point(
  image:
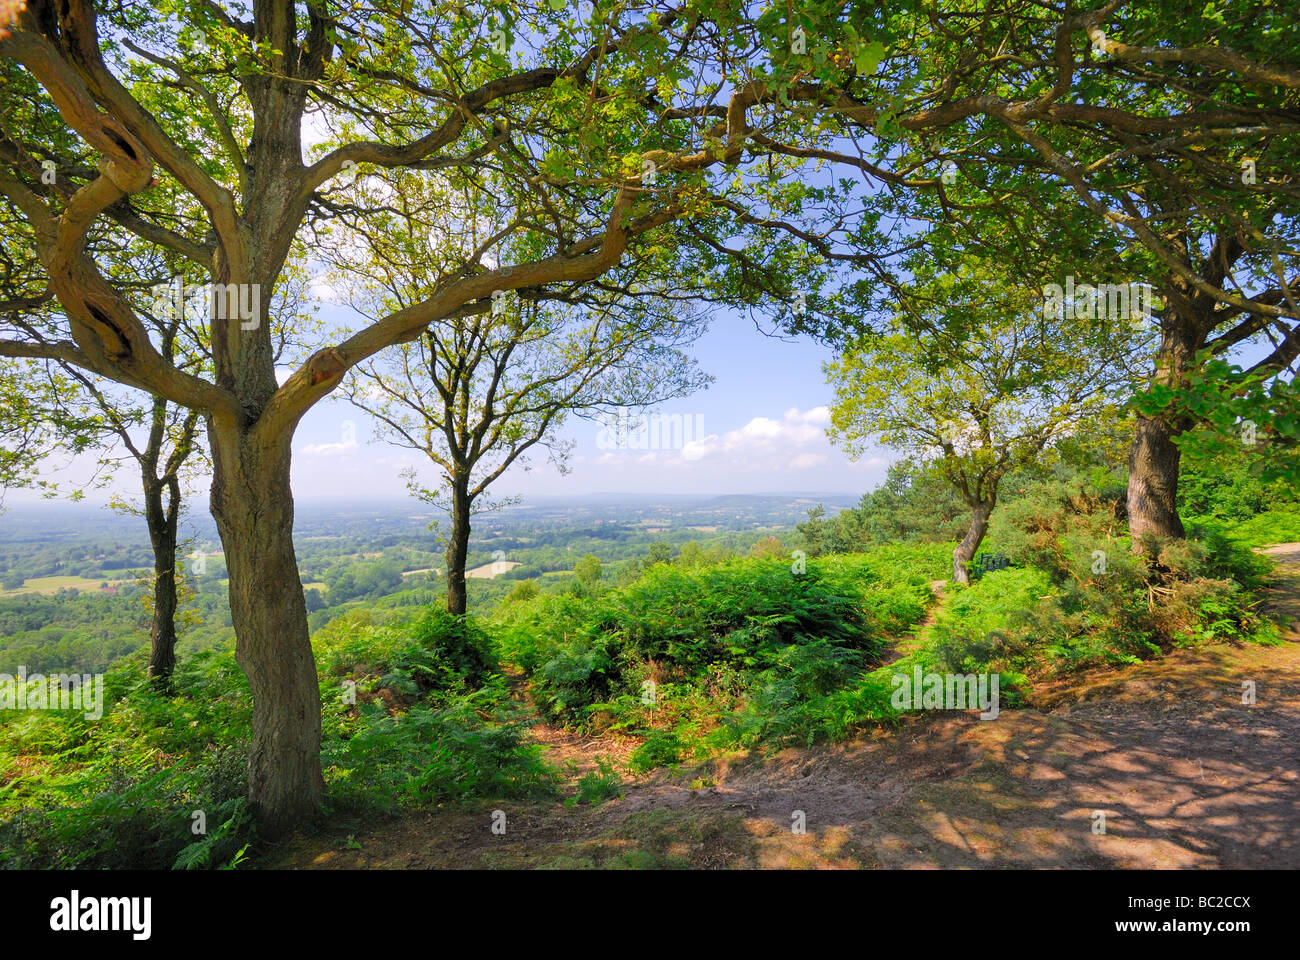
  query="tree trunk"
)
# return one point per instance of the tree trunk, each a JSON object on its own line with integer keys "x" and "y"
{"x": 458, "y": 546}
{"x": 1153, "y": 461}
{"x": 253, "y": 507}
{"x": 162, "y": 535}
{"x": 965, "y": 552}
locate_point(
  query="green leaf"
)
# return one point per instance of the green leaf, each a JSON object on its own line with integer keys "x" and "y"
{"x": 869, "y": 57}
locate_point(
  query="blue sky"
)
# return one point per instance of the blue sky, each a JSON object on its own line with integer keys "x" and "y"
{"x": 763, "y": 425}
{"x": 763, "y": 421}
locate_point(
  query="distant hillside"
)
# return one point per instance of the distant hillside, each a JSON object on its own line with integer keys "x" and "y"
{"x": 60, "y": 521}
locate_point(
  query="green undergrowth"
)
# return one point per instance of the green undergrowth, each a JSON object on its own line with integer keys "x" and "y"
{"x": 1263, "y": 529}
{"x": 430, "y": 718}
{"x": 690, "y": 659}
{"x": 413, "y": 714}
{"x": 1096, "y": 602}
{"x": 1079, "y": 596}
{"x": 746, "y": 652}
{"x": 134, "y": 787}
{"x": 752, "y": 654}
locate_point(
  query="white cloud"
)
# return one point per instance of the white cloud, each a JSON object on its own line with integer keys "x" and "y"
{"x": 696, "y": 449}
{"x": 796, "y": 441}
{"x": 320, "y": 290}
{"x": 764, "y": 442}
{"x": 806, "y": 461}
{"x": 328, "y": 449}
{"x": 871, "y": 463}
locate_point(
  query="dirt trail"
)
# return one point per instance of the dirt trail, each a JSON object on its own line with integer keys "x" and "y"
{"x": 1184, "y": 772}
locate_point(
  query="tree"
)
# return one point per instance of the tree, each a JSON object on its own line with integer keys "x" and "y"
{"x": 1244, "y": 445}
{"x": 914, "y": 503}
{"x": 987, "y": 387}
{"x": 587, "y": 571}
{"x": 29, "y": 425}
{"x": 600, "y": 136}
{"x": 690, "y": 554}
{"x": 79, "y": 412}
{"x": 1126, "y": 142}
{"x": 168, "y": 449}
{"x": 1216, "y": 219}
{"x": 476, "y": 394}
{"x": 523, "y": 590}
{"x": 657, "y": 552}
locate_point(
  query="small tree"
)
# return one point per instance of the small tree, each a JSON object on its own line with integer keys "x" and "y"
{"x": 476, "y": 393}
{"x": 659, "y": 552}
{"x": 587, "y": 571}
{"x": 988, "y": 386}
{"x": 523, "y": 590}
{"x": 69, "y": 410}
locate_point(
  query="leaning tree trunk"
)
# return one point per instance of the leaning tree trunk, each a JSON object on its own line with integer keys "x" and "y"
{"x": 162, "y": 535}
{"x": 253, "y": 507}
{"x": 458, "y": 547}
{"x": 965, "y": 552}
{"x": 1154, "y": 457}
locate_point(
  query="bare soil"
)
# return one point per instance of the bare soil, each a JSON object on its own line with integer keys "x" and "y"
{"x": 1185, "y": 773}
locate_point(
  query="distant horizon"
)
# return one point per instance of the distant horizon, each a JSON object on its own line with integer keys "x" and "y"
{"x": 88, "y": 502}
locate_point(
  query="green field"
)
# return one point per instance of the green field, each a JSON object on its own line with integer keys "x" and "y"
{"x": 48, "y": 586}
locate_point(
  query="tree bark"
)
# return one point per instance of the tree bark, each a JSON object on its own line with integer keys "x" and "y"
{"x": 1153, "y": 466}
{"x": 1154, "y": 458}
{"x": 253, "y": 507}
{"x": 458, "y": 546}
{"x": 965, "y": 552}
{"x": 162, "y": 520}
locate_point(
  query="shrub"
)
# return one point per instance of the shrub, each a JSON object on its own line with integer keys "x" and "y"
{"x": 577, "y": 676}
{"x": 597, "y": 786}
{"x": 1082, "y": 597}
{"x": 739, "y": 651}
{"x": 523, "y": 590}
{"x": 375, "y": 759}
{"x": 663, "y": 748}
{"x": 449, "y": 651}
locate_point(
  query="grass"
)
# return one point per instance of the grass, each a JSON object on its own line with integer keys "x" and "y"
{"x": 48, "y": 586}
{"x": 1264, "y": 529}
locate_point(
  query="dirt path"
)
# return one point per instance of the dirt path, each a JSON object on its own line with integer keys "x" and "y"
{"x": 1184, "y": 772}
